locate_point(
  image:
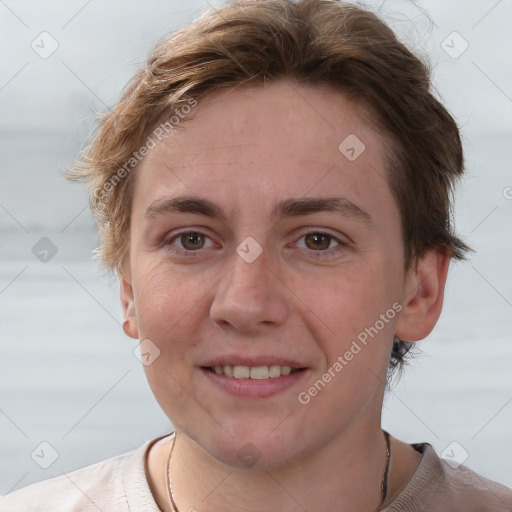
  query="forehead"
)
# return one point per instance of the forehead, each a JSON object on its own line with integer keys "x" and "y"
{"x": 281, "y": 139}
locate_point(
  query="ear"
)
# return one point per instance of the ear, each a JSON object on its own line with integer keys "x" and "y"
{"x": 423, "y": 296}
{"x": 130, "y": 326}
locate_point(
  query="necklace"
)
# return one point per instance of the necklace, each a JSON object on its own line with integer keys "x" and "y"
{"x": 383, "y": 487}
{"x": 170, "y": 494}
{"x": 384, "y": 484}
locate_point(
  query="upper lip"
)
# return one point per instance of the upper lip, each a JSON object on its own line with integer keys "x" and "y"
{"x": 252, "y": 361}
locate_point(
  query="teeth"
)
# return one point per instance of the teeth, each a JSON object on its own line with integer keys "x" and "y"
{"x": 259, "y": 372}
{"x": 274, "y": 371}
{"x": 241, "y": 372}
{"x": 253, "y": 372}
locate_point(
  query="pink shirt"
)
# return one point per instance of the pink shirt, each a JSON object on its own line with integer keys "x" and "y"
{"x": 119, "y": 484}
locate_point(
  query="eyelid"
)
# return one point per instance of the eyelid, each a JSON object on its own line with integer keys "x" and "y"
{"x": 325, "y": 231}
{"x": 341, "y": 241}
{"x": 168, "y": 241}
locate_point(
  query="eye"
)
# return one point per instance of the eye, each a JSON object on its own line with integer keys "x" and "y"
{"x": 321, "y": 242}
{"x": 189, "y": 241}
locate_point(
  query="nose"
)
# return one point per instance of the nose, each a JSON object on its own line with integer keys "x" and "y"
{"x": 250, "y": 295}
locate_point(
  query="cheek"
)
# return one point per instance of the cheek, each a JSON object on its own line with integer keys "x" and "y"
{"x": 350, "y": 297}
{"x": 357, "y": 350}
{"x": 357, "y": 306}
{"x": 168, "y": 304}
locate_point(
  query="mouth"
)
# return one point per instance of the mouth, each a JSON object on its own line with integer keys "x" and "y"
{"x": 263, "y": 372}
{"x": 258, "y": 381}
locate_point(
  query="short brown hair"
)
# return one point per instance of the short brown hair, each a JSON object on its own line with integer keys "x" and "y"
{"x": 325, "y": 42}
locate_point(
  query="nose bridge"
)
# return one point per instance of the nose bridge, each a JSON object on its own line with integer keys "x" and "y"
{"x": 249, "y": 294}
{"x": 248, "y": 278}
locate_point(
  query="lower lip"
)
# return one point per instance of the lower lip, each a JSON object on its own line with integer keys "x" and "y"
{"x": 253, "y": 387}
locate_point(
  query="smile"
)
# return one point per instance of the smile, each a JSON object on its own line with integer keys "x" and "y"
{"x": 259, "y": 381}
{"x": 253, "y": 372}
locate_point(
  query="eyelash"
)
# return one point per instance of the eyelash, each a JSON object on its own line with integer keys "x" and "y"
{"x": 316, "y": 254}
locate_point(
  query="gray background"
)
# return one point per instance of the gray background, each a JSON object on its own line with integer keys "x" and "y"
{"x": 68, "y": 375}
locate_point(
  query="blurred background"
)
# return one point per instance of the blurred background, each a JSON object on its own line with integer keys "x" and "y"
{"x": 69, "y": 378}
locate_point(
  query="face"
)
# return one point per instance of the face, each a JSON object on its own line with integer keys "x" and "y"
{"x": 257, "y": 241}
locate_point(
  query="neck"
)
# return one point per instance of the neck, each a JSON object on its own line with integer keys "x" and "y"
{"x": 344, "y": 475}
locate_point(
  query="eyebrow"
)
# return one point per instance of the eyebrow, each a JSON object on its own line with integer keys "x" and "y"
{"x": 185, "y": 204}
{"x": 286, "y": 208}
{"x": 308, "y": 205}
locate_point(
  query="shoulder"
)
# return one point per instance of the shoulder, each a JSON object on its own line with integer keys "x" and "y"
{"x": 77, "y": 490}
{"x": 440, "y": 485}
{"x": 113, "y": 484}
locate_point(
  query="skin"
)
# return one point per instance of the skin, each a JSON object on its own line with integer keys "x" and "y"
{"x": 246, "y": 150}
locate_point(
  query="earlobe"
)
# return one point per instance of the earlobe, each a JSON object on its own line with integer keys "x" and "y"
{"x": 130, "y": 326}
{"x": 423, "y": 297}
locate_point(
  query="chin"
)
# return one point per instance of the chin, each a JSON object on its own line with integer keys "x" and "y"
{"x": 250, "y": 445}
{"x": 254, "y": 454}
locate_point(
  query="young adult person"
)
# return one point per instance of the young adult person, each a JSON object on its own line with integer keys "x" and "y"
{"x": 273, "y": 190}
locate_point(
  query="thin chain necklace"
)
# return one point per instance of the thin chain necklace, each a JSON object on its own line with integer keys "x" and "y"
{"x": 383, "y": 487}
{"x": 170, "y": 494}
{"x": 384, "y": 484}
